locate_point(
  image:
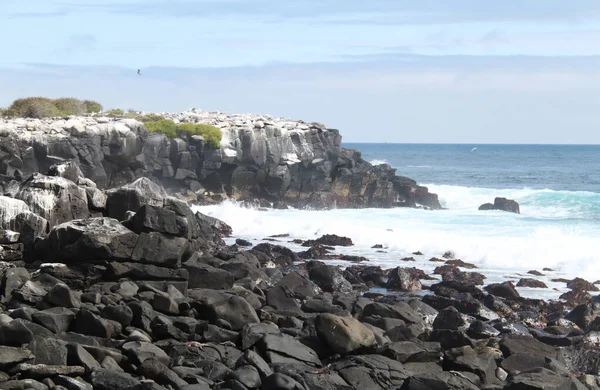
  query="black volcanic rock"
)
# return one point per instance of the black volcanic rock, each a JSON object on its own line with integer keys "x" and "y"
{"x": 502, "y": 204}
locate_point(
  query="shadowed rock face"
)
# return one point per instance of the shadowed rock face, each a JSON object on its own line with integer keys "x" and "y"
{"x": 259, "y": 158}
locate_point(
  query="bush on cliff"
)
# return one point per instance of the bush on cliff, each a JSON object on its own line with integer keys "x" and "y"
{"x": 114, "y": 112}
{"x": 212, "y": 135}
{"x": 41, "y": 107}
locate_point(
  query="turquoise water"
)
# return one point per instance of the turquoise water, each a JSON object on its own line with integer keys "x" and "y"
{"x": 558, "y": 188}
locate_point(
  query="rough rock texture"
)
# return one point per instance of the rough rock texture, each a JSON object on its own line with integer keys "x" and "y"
{"x": 260, "y": 157}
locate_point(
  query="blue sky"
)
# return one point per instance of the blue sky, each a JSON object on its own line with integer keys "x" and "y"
{"x": 470, "y": 71}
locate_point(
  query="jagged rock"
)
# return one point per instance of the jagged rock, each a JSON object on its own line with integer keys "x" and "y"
{"x": 402, "y": 279}
{"x": 328, "y": 277}
{"x": 413, "y": 351}
{"x": 92, "y": 239}
{"x": 49, "y": 351}
{"x": 91, "y": 324}
{"x": 61, "y": 295}
{"x": 203, "y": 275}
{"x": 103, "y": 379}
{"x": 285, "y": 349}
{"x": 10, "y": 356}
{"x": 133, "y": 196}
{"x": 449, "y": 318}
{"x": 141, "y": 351}
{"x": 539, "y": 378}
{"x": 57, "y": 319}
{"x": 438, "y": 381}
{"x": 505, "y": 290}
{"x": 213, "y": 305}
{"x": 119, "y": 313}
{"x": 55, "y": 199}
{"x": 77, "y": 355}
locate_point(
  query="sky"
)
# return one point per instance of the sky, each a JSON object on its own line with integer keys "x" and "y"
{"x": 427, "y": 71}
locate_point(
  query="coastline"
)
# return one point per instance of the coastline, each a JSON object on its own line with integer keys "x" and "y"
{"x": 131, "y": 288}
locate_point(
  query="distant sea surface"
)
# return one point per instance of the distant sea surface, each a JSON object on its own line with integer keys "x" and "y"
{"x": 557, "y": 187}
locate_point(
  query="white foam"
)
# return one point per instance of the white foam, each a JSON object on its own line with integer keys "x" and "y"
{"x": 502, "y": 244}
{"x": 378, "y": 162}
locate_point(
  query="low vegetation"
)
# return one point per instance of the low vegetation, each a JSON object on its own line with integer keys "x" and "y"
{"x": 41, "y": 107}
{"x": 212, "y": 135}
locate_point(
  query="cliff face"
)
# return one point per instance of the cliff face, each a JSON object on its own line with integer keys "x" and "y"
{"x": 260, "y": 158}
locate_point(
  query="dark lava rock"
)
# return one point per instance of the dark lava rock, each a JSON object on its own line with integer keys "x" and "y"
{"x": 449, "y": 318}
{"x": 581, "y": 284}
{"x": 10, "y": 356}
{"x": 505, "y": 290}
{"x": 460, "y": 263}
{"x": 528, "y": 282}
{"x": 403, "y": 279}
{"x": 539, "y": 378}
{"x": 334, "y": 240}
{"x": 103, "y": 379}
{"x": 481, "y": 330}
{"x": 242, "y": 242}
{"x": 502, "y": 204}
{"x": 328, "y": 277}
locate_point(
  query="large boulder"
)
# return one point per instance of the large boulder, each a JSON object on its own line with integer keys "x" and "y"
{"x": 94, "y": 239}
{"x": 56, "y": 199}
{"x": 344, "y": 334}
{"x": 215, "y": 305}
{"x": 133, "y": 196}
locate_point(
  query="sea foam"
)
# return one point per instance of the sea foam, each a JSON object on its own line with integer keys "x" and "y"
{"x": 556, "y": 229}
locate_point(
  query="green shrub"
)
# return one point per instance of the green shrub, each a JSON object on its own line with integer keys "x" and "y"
{"x": 92, "y": 106}
{"x": 114, "y": 112}
{"x": 70, "y": 106}
{"x": 33, "y": 107}
{"x": 212, "y": 135}
{"x": 164, "y": 126}
{"x": 41, "y": 107}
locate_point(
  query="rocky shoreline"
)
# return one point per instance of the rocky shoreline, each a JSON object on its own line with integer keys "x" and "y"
{"x": 273, "y": 162}
{"x": 130, "y": 289}
{"x": 109, "y": 280}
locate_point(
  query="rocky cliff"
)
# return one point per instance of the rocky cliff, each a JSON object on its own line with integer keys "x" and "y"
{"x": 260, "y": 159}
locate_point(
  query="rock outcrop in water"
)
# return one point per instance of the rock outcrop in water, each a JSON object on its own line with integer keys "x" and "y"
{"x": 260, "y": 159}
{"x": 502, "y": 204}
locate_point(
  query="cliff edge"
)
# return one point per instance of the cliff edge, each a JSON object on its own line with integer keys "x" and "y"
{"x": 261, "y": 159}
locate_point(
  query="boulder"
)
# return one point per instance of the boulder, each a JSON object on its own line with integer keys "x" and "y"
{"x": 403, "y": 279}
{"x": 10, "y": 357}
{"x": 55, "y": 199}
{"x": 502, "y": 204}
{"x": 133, "y": 196}
{"x": 328, "y": 277}
{"x": 343, "y": 334}
{"x": 533, "y": 283}
{"x": 215, "y": 305}
{"x": 94, "y": 239}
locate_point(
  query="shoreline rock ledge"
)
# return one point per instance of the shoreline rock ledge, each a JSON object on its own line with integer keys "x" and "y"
{"x": 263, "y": 160}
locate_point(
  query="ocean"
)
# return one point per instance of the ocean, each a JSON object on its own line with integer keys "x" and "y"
{"x": 557, "y": 187}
